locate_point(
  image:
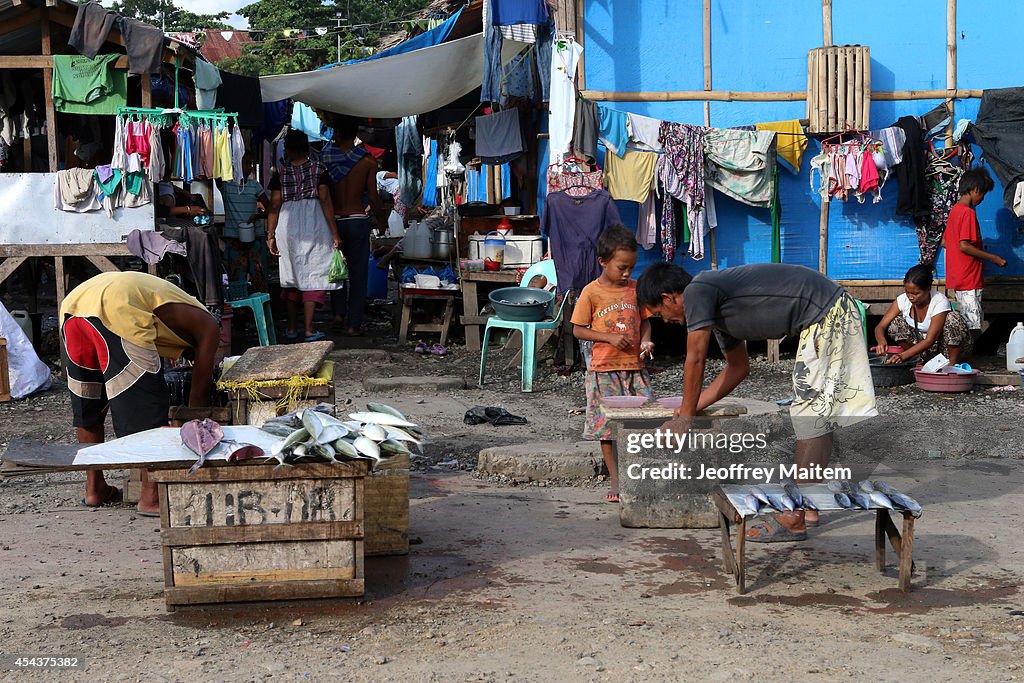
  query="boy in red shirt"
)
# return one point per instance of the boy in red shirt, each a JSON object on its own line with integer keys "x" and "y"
{"x": 964, "y": 253}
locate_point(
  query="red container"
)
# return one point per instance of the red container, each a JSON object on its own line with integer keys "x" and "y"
{"x": 947, "y": 382}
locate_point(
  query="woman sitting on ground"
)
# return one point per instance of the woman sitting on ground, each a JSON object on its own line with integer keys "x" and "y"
{"x": 922, "y": 322}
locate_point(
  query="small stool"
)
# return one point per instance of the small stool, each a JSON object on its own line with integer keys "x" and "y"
{"x": 408, "y": 326}
{"x": 238, "y": 296}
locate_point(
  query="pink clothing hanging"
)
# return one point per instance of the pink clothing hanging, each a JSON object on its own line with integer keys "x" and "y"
{"x": 137, "y": 140}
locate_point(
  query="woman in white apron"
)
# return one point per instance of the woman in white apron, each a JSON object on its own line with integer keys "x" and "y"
{"x": 301, "y": 231}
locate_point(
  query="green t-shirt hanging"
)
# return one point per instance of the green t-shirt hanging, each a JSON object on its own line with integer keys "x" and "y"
{"x": 88, "y": 86}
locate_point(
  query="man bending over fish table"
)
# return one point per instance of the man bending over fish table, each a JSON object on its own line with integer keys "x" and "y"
{"x": 831, "y": 378}
{"x": 115, "y": 328}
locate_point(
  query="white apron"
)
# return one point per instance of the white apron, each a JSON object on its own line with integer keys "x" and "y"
{"x": 306, "y": 246}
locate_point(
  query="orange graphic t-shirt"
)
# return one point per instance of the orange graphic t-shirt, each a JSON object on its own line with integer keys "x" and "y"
{"x": 612, "y": 310}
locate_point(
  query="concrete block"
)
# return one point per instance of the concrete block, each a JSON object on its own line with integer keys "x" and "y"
{"x": 420, "y": 383}
{"x": 543, "y": 461}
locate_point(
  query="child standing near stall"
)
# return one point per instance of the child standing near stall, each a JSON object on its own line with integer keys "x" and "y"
{"x": 607, "y": 314}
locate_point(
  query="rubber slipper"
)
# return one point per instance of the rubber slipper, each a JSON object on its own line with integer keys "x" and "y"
{"x": 115, "y": 496}
{"x": 316, "y": 336}
{"x": 291, "y": 335}
{"x": 612, "y": 497}
{"x": 770, "y": 530}
{"x": 438, "y": 350}
{"x": 421, "y": 347}
{"x": 146, "y": 513}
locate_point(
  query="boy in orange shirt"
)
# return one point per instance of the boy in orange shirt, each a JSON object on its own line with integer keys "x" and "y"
{"x": 964, "y": 253}
{"x": 607, "y": 314}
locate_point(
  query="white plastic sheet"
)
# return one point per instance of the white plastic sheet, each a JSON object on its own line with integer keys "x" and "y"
{"x": 391, "y": 87}
{"x": 28, "y": 374}
{"x": 164, "y": 445}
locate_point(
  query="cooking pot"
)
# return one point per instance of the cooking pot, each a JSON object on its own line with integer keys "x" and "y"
{"x": 441, "y": 244}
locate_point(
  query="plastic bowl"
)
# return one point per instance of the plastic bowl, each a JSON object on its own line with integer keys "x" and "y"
{"x": 671, "y": 401}
{"x": 891, "y": 374}
{"x": 947, "y": 382}
{"x": 521, "y": 304}
{"x": 623, "y": 401}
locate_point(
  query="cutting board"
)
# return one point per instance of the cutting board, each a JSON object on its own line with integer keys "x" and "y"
{"x": 279, "y": 362}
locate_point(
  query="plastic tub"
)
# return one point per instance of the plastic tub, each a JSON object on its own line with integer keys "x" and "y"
{"x": 947, "y": 382}
{"x": 891, "y": 374}
{"x": 521, "y": 304}
{"x": 623, "y": 401}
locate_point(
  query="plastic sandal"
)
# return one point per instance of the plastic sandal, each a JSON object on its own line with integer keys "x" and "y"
{"x": 421, "y": 347}
{"x": 770, "y": 530}
{"x": 438, "y": 350}
{"x": 115, "y": 497}
{"x": 316, "y": 336}
{"x": 612, "y": 497}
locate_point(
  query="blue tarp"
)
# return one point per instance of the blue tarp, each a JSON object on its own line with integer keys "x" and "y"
{"x": 434, "y": 36}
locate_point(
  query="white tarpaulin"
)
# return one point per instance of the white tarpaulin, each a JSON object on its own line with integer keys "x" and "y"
{"x": 164, "y": 445}
{"x": 391, "y": 87}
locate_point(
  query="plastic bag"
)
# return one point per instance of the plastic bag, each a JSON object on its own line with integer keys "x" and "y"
{"x": 28, "y": 373}
{"x": 338, "y": 272}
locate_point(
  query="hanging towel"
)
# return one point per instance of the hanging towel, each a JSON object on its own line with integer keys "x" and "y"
{"x": 499, "y": 137}
{"x": 207, "y": 80}
{"x": 740, "y": 164}
{"x": 611, "y": 129}
{"x": 409, "y": 148}
{"x": 306, "y": 120}
{"x": 74, "y": 185}
{"x": 584, "y": 131}
{"x": 643, "y": 132}
{"x": 630, "y": 178}
{"x": 791, "y": 142}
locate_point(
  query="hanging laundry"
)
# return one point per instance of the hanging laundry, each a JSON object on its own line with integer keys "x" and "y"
{"x": 943, "y": 188}
{"x": 508, "y": 12}
{"x": 137, "y": 136}
{"x": 869, "y": 177}
{"x": 499, "y": 137}
{"x": 222, "y": 153}
{"x": 88, "y": 86}
{"x": 207, "y": 79}
{"x": 76, "y": 191}
{"x": 915, "y": 192}
{"x": 144, "y": 45}
{"x": 998, "y": 132}
{"x": 565, "y": 57}
{"x": 151, "y": 246}
{"x": 681, "y": 173}
{"x": 643, "y": 132}
{"x": 237, "y": 152}
{"x": 109, "y": 181}
{"x": 521, "y": 33}
{"x": 892, "y": 139}
{"x": 740, "y": 164}
{"x": 519, "y": 79}
{"x": 157, "y": 160}
{"x": 935, "y": 120}
{"x": 91, "y": 28}
{"x": 409, "y": 149}
{"x": 207, "y": 153}
{"x": 430, "y": 181}
{"x": 647, "y": 223}
{"x": 611, "y": 129}
{"x": 573, "y": 226}
{"x": 242, "y": 94}
{"x": 306, "y": 120}
{"x": 791, "y": 142}
{"x": 631, "y": 178}
{"x": 276, "y": 115}
{"x": 584, "y": 131}
{"x": 822, "y": 163}
{"x": 490, "y": 90}
{"x": 8, "y": 98}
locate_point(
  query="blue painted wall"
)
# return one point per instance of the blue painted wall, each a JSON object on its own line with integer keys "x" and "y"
{"x": 651, "y": 45}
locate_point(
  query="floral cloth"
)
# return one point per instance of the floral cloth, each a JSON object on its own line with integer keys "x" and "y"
{"x": 944, "y": 194}
{"x": 681, "y": 173}
{"x": 617, "y": 383}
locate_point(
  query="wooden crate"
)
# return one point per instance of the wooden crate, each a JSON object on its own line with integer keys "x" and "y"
{"x": 246, "y": 411}
{"x": 237, "y": 533}
{"x": 5, "y": 376}
{"x": 386, "y": 492}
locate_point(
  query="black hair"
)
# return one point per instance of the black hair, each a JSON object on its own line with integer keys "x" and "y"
{"x": 297, "y": 142}
{"x": 920, "y": 275}
{"x": 346, "y": 128}
{"x": 615, "y": 237}
{"x": 660, "y": 278}
{"x": 976, "y": 179}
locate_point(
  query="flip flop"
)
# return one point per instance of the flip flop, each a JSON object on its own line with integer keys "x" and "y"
{"x": 612, "y": 497}
{"x": 438, "y": 350}
{"x": 316, "y": 336}
{"x": 770, "y": 530}
{"x": 291, "y": 336}
{"x": 115, "y": 496}
{"x": 146, "y": 513}
{"x": 421, "y": 347}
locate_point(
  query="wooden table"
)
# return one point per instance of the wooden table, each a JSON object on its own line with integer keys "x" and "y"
{"x": 471, "y": 318}
{"x": 735, "y": 563}
{"x": 447, "y": 296}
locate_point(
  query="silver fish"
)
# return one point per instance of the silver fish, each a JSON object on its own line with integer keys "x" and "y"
{"x": 834, "y": 486}
{"x": 390, "y": 448}
{"x": 374, "y": 432}
{"x": 843, "y": 500}
{"x": 885, "y": 488}
{"x": 397, "y": 434}
{"x": 277, "y": 429}
{"x": 782, "y": 502}
{"x": 793, "y": 491}
{"x": 862, "y": 500}
{"x": 312, "y": 424}
{"x": 881, "y": 500}
{"x": 751, "y": 502}
{"x": 381, "y": 419}
{"x": 904, "y": 502}
{"x": 382, "y": 408}
{"x": 332, "y": 433}
{"x": 345, "y": 448}
{"x": 808, "y": 504}
{"x": 367, "y": 447}
{"x": 759, "y": 493}
{"x": 298, "y": 436}
{"x": 866, "y": 486}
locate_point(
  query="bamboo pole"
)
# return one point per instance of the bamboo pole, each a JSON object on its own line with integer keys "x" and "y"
{"x": 950, "y": 64}
{"x": 581, "y": 79}
{"x": 810, "y": 81}
{"x": 822, "y": 81}
{"x": 841, "y": 85}
{"x": 858, "y": 79}
{"x": 852, "y": 100}
{"x": 826, "y": 22}
{"x": 868, "y": 95}
{"x": 830, "y": 75}
{"x": 768, "y": 96}
{"x": 706, "y": 20}
{"x": 51, "y": 112}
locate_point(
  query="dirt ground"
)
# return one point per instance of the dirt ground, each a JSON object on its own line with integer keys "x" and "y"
{"x": 535, "y": 582}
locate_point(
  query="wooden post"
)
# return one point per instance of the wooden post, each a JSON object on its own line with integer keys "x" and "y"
{"x": 826, "y": 22}
{"x": 950, "y": 64}
{"x": 823, "y": 238}
{"x": 707, "y": 114}
{"x": 147, "y": 91}
{"x": 51, "y": 113}
{"x": 581, "y": 81}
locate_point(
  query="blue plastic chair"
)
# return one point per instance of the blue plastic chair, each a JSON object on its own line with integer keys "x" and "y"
{"x": 259, "y": 303}
{"x": 528, "y": 330}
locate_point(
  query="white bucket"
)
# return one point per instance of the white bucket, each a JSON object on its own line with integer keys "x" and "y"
{"x": 246, "y": 232}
